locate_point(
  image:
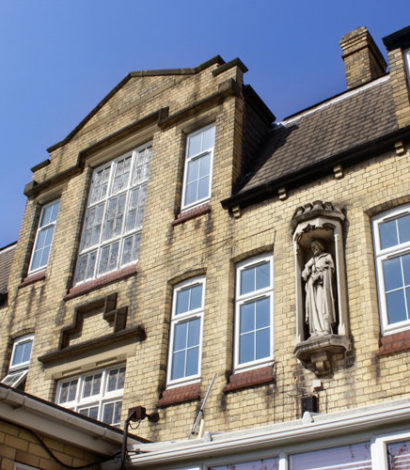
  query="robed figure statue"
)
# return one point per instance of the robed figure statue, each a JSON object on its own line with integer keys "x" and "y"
{"x": 318, "y": 274}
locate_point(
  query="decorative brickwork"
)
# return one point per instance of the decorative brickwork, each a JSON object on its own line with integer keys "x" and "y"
{"x": 178, "y": 395}
{"x": 251, "y": 378}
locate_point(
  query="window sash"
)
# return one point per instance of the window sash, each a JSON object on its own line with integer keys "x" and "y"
{"x": 187, "y": 347}
{"x": 252, "y": 328}
{"x": 113, "y": 220}
{"x": 201, "y": 184}
{"x": 26, "y": 343}
{"x": 394, "y": 295}
{"x": 82, "y": 395}
{"x": 44, "y": 236}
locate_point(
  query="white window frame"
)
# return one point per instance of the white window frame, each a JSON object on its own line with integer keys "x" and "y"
{"x": 181, "y": 318}
{"x": 406, "y": 55}
{"x": 378, "y": 447}
{"x": 23, "y": 466}
{"x": 141, "y": 154}
{"x": 382, "y": 255}
{"x": 40, "y": 229}
{"x": 18, "y": 372}
{"x": 241, "y": 299}
{"x": 99, "y": 400}
{"x": 189, "y": 159}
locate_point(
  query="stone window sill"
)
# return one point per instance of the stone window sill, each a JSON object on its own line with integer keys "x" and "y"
{"x": 192, "y": 213}
{"x": 395, "y": 343}
{"x": 248, "y": 379}
{"x": 178, "y": 395}
{"x": 100, "y": 282}
{"x": 31, "y": 278}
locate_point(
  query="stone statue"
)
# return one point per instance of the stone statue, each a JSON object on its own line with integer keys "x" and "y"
{"x": 318, "y": 274}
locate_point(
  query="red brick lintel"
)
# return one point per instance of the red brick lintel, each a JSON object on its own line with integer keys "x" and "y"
{"x": 395, "y": 343}
{"x": 31, "y": 278}
{"x": 177, "y": 395}
{"x": 250, "y": 378}
{"x": 100, "y": 282}
{"x": 192, "y": 213}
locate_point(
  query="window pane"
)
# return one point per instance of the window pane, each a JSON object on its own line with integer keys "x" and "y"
{"x": 122, "y": 172}
{"x": 194, "y": 144}
{"x": 193, "y": 170}
{"x": 203, "y": 188}
{"x": 399, "y": 455}
{"x": 247, "y": 317}
{"x": 130, "y": 250}
{"x": 246, "y": 348}
{"x": 354, "y": 457}
{"x": 247, "y": 280}
{"x": 108, "y": 413}
{"x": 196, "y": 297}
{"x": 396, "y": 310}
{"x": 392, "y": 274}
{"x": 388, "y": 234}
{"x": 263, "y": 313}
{"x": 116, "y": 379}
{"x": 406, "y": 269}
{"x": 91, "y": 412}
{"x": 99, "y": 184}
{"x": 141, "y": 168}
{"x": 182, "y": 304}
{"x": 193, "y": 332}
{"x": 22, "y": 352}
{"x": 180, "y": 336}
{"x": 178, "y": 365}
{"x": 404, "y": 228}
{"x": 262, "y": 343}
{"x": 208, "y": 138}
{"x": 262, "y": 276}
{"x": 190, "y": 195}
{"x": 192, "y": 361}
{"x": 204, "y": 166}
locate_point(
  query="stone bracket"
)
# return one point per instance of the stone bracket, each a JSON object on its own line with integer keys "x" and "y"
{"x": 317, "y": 352}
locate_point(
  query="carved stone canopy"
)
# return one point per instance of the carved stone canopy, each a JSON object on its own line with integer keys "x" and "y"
{"x": 316, "y": 209}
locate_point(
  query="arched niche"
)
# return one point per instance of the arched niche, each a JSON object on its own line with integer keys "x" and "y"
{"x": 320, "y": 278}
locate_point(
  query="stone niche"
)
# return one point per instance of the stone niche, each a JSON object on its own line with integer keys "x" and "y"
{"x": 322, "y": 329}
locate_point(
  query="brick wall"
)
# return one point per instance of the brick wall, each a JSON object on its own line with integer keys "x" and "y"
{"x": 19, "y": 445}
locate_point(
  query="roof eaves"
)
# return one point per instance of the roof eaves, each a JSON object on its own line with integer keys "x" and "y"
{"x": 305, "y": 174}
{"x": 398, "y": 39}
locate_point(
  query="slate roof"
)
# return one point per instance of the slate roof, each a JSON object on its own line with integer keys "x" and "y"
{"x": 322, "y": 132}
{"x": 6, "y": 258}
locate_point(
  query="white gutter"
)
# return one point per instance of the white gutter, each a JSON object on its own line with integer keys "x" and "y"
{"x": 326, "y": 426}
{"x": 22, "y": 409}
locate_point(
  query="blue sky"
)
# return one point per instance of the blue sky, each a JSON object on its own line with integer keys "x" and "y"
{"x": 59, "y": 58}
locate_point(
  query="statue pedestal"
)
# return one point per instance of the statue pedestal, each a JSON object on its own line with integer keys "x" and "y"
{"x": 317, "y": 352}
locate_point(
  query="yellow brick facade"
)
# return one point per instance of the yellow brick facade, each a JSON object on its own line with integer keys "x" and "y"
{"x": 211, "y": 245}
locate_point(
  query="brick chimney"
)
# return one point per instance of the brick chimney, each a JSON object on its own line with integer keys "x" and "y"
{"x": 363, "y": 60}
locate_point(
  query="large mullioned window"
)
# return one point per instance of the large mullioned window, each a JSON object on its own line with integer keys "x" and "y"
{"x": 97, "y": 394}
{"x": 254, "y": 312}
{"x": 113, "y": 220}
{"x": 186, "y": 331}
{"x": 44, "y": 236}
{"x": 392, "y": 251}
{"x": 198, "y": 167}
